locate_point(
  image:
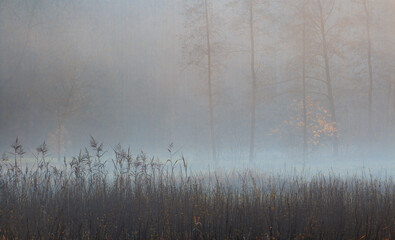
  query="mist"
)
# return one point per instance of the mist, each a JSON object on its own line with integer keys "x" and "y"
{"x": 197, "y": 119}
{"x": 221, "y": 82}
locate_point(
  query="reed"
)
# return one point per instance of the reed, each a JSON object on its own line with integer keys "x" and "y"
{"x": 118, "y": 195}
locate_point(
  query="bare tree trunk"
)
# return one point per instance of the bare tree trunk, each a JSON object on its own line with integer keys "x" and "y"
{"x": 304, "y": 87}
{"x": 59, "y": 139}
{"x": 389, "y": 107}
{"x": 210, "y": 91}
{"x": 328, "y": 77}
{"x": 2, "y": 106}
{"x": 392, "y": 104}
{"x": 254, "y": 84}
{"x": 370, "y": 69}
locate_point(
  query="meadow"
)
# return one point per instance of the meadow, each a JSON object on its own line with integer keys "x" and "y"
{"x": 120, "y": 195}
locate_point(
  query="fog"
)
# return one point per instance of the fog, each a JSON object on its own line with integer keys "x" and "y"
{"x": 221, "y": 81}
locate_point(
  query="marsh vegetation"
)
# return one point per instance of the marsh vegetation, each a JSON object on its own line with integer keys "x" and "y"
{"x": 119, "y": 195}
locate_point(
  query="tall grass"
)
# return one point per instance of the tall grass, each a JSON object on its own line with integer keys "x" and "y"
{"x": 99, "y": 195}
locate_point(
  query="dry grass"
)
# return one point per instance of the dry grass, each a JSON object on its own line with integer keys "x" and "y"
{"x": 97, "y": 196}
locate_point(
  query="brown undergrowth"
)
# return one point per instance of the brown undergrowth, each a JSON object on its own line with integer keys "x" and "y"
{"x": 117, "y": 195}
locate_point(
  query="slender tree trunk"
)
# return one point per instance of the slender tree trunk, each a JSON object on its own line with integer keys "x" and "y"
{"x": 328, "y": 77}
{"x": 389, "y": 106}
{"x": 59, "y": 140}
{"x": 370, "y": 69}
{"x": 2, "y": 107}
{"x": 210, "y": 91}
{"x": 304, "y": 87}
{"x": 253, "y": 85}
{"x": 392, "y": 103}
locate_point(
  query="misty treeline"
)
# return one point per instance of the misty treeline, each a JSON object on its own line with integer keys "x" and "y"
{"x": 237, "y": 77}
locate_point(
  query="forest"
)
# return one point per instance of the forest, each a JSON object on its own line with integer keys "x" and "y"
{"x": 261, "y": 119}
{"x": 215, "y": 78}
